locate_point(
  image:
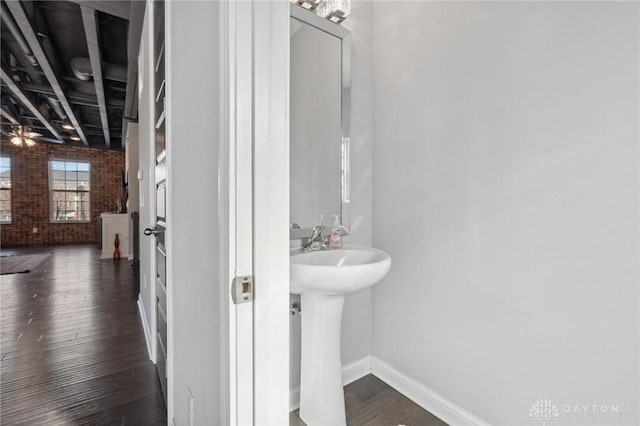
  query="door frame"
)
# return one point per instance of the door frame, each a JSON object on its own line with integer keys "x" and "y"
{"x": 271, "y": 39}
{"x": 254, "y": 171}
{"x": 253, "y": 212}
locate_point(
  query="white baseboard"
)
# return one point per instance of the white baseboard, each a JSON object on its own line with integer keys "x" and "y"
{"x": 145, "y": 326}
{"x": 422, "y": 395}
{"x": 350, "y": 373}
{"x": 356, "y": 370}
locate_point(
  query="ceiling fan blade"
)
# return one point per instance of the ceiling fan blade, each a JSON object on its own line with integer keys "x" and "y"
{"x": 32, "y": 134}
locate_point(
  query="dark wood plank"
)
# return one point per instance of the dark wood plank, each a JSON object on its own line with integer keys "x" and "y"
{"x": 72, "y": 345}
{"x": 371, "y": 402}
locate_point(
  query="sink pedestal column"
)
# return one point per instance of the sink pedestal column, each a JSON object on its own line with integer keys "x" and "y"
{"x": 321, "y": 392}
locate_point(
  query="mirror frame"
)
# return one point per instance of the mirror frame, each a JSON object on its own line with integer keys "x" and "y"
{"x": 335, "y": 30}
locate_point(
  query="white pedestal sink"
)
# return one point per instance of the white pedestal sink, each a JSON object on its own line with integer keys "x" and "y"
{"x": 322, "y": 278}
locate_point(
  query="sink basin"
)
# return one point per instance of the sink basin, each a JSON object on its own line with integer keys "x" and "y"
{"x": 339, "y": 270}
{"x": 322, "y": 278}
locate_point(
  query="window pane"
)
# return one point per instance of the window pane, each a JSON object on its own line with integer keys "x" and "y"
{"x": 83, "y": 210}
{"x": 59, "y": 206}
{"x": 71, "y": 166}
{"x": 5, "y": 205}
{"x": 5, "y": 195}
{"x": 84, "y": 177}
{"x": 59, "y": 196}
{"x": 59, "y": 185}
{"x": 57, "y": 165}
{"x": 83, "y": 167}
{"x": 5, "y": 162}
{"x": 5, "y": 215}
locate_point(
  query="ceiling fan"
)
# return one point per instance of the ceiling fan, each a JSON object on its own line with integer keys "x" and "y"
{"x": 21, "y": 135}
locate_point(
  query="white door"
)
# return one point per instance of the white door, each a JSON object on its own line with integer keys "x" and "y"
{"x": 158, "y": 200}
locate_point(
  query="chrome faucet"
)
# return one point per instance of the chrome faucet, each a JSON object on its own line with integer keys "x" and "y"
{"x": 316, "y": 237}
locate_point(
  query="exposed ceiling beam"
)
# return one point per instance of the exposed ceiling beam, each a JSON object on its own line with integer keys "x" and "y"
{"x": 115, "y": 8}
{"x": 20, "y": 95}
{"x": 32, "y": 39}
{"x": 73, "y": 97}
{"x": 90, "y": 21}
{"x": 8, "y": 116}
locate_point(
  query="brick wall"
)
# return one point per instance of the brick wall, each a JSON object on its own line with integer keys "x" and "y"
{"x": 30, "y": 193}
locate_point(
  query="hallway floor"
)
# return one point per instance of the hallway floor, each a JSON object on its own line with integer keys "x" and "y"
{"x": 371, "y": 402}
{"x": 72, "y": 344}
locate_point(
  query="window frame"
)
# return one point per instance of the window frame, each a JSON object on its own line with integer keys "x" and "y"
{"x": 52, "y": 191}
{"x": 10, "y": 190}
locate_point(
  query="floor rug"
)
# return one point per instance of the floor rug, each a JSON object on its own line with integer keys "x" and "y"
{"x": 21, "y": 263}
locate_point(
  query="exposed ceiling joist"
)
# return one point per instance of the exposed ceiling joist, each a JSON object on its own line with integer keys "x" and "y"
{"x": 115, "y": 8}
{"x": 19, "y": 94}
{"x": 32, "y": 39}
{"x": 73, "y": 97}
{"x": 6, "y": 114}
{"x": 90, "y": 21}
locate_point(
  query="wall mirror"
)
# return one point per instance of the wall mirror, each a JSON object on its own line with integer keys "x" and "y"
{"x": 319, "y": 122}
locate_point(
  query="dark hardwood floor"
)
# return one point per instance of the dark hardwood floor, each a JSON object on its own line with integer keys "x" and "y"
{"x": 72, "y": 345}
{"x": 372, "y": 402}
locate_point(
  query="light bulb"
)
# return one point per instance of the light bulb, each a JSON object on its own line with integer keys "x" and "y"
{"x": 16, "y": 141}
{"x": 334, "y": 10}
{"x": 307, "y": 4}
{"x": 29, "y": 142}
{"x": 75, "y": 138}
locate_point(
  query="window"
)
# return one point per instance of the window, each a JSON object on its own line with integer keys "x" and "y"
{"x": 5, "y": 190}
{"x": 70, "y": 186}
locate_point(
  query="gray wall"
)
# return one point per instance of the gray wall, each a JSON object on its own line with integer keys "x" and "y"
{"x": 506, "y": 192}
{"x": 193, "y": 258}
{"x": 356, "y": 319}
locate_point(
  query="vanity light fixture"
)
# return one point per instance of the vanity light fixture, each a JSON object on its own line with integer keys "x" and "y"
{"x": 334, "y": 10}
{"x": 307, "y": 4}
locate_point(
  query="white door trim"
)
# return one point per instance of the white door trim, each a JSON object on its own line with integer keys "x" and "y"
{"x": 225, "y": 210}
{"x": 238, "y": 119}
{"x": 255, "y": 97}
{"x": 271, "y": 211}
{"x": 168, "y": 236}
